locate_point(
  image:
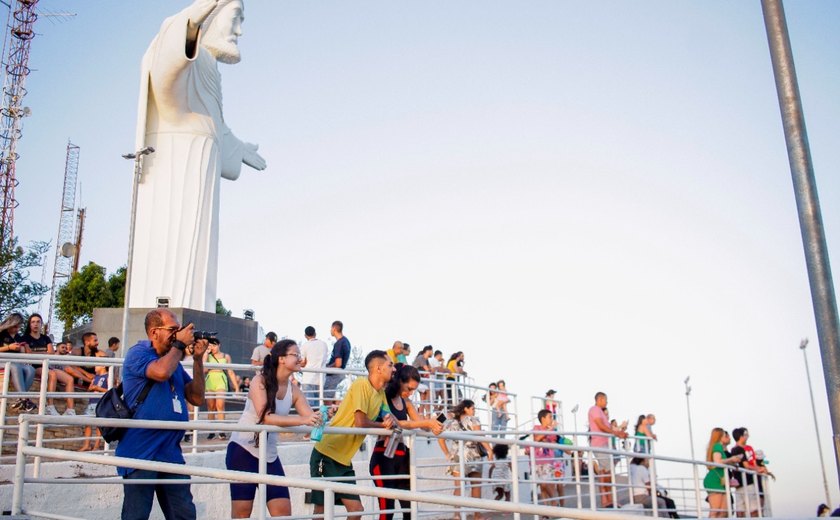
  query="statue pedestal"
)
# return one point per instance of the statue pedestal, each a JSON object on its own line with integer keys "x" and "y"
{"x": 238, "y": 336}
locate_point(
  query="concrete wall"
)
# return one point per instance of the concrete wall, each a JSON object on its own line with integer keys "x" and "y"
{"x": 238, "y": 336}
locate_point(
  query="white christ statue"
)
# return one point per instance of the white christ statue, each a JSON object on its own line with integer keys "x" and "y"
{"x": 180, "y": 116}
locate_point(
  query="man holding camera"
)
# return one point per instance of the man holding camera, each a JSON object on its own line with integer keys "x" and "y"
{"x": 157, "y": 361}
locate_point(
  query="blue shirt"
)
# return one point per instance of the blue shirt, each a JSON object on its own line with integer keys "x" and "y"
{"x": 341, "y": 349}
{"x": 151, "y": 444}
{"x": 100, "y": 380}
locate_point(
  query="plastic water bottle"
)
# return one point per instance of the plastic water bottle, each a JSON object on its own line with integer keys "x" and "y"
{"x": 318, "y": 432}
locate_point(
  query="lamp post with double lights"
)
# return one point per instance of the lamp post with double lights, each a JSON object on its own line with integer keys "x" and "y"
{"x": 137, "y": 157}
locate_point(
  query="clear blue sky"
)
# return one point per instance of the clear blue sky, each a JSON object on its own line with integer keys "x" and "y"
{"x": 585, "y": 196}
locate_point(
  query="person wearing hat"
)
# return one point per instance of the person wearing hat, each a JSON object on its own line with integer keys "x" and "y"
{"x": 261, "y": 351}
{"x": 551, "y": 403}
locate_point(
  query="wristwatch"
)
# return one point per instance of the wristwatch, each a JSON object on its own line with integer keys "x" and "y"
{"x": 180, "y": 345}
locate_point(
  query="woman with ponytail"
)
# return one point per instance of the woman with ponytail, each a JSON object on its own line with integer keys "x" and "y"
{"x": 403, "y": 383}
{"x": 464, "y": 419}
{"x": 270, "y": 399}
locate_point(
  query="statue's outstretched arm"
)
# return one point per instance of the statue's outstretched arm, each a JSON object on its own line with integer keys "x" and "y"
{"x": 235, "y": 152}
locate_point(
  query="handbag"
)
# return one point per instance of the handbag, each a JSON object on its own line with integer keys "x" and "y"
{"x": 482, "y": 451}
{"x": 112, "y": 405}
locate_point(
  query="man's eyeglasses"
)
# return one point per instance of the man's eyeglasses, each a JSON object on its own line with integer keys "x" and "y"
{"x": 172, "y": 329}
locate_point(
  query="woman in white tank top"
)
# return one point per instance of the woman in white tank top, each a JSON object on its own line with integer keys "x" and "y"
{"x": 270, "y": 399}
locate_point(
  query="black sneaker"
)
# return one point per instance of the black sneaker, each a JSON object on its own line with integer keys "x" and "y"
{"x": 223, "y": 436}
{"x": 29, "y": 406}
{"x": 17, "y": 405}
{"x": 211, "y": 436}
{"x": 187, "y": 438}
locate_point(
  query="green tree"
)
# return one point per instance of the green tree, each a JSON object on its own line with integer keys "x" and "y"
{"x": 17, "y": 291}
{"x": 87, "y": 290}
{"x": 220, "y": 308}
{"x": 116, "y": 284}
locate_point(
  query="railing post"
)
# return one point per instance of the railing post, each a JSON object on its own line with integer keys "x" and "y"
{"x": 654, "y": 497}
{"x": 767, "y": 504}
{"x": 535, "y": 491}
{"x": 756, "y": 478}
{"x": 329, "y": 504}
{"x": 697, "y": 502}
{"x": 613, "y": 490}
{"x": 593, "y": 498}
{"x": 462, "y": 467}
{"x": 42, "y": 406}
{"x": 4, "y": 398}
{"x": 576, "y": 463}
{"x": 516, "y": 411}
{"x": 728, "y": 490}
{"x": 514, "y": 484}
{"x": 263, "y": 436}
{"x": 743, "y": 490}
{"x": 20, "y": 468}
{"x": 194, "y": 440}
{"x": 412, "y": 472}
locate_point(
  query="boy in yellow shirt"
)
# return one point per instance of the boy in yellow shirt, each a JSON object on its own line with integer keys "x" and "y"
{"x": 332, "y": 455}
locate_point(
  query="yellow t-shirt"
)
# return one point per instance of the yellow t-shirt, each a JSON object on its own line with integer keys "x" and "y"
{"x": 392, "y": 355}
{"x": 452, "y": 365}
{"x": 363, "y": 397}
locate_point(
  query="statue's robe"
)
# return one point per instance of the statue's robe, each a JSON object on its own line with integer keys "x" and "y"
{"x": 177, "y": 223}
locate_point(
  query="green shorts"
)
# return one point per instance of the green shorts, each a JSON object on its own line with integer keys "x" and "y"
{"x": 322, "y": 466}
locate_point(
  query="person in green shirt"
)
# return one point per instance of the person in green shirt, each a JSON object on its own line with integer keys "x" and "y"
{"x": 714, "y": 481}
{"x": 332, "y": 455}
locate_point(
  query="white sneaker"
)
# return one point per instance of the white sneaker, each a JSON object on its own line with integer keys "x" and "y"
{"x": 69, "y": 411}
{"x": 91, "y": 410}
{"x": 51, "y": 410}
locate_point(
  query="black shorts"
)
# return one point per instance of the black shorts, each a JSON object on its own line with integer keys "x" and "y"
{"x": 240, "y": 459}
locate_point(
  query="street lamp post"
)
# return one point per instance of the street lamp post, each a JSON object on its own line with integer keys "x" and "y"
{"x": 691, "y": 441}
{"x": 688, "y": 408}
{"x": 137, "y": 157}
{"x": 574, "y": 413}
{"x": 802, "y": 345}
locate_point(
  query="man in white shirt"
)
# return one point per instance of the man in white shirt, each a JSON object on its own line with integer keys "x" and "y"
{"x": 260, "y": 351}
{"x": 313, "y": 354}
{"x": 438, "y": 368}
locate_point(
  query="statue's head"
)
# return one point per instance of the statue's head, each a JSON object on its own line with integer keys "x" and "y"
{"x": 222, "y": 29}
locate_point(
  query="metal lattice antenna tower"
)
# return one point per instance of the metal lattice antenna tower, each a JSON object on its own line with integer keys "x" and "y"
{"x": 66, "y": 250}
{"x": 22, "y": 17}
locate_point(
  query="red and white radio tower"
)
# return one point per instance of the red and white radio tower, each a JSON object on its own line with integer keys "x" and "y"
{"x": 22, "y": 17}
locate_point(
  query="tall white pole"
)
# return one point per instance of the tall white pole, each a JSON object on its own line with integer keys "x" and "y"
{"x": 802, "y": 346}
{"x": 138, "y": 170}
{"x": 688, "y": 408}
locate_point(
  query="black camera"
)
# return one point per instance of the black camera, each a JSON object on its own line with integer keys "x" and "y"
{"x": 203, "y": 334}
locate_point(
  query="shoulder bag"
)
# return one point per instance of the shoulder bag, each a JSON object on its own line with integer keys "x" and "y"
{"x": 112, "y": 405}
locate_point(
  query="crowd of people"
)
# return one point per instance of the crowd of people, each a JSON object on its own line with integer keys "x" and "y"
{"x": 281, "y": 394}
{"x": 22, "y": 337}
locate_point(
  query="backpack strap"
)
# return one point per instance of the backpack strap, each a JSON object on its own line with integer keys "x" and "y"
{"x": 142, "y": 397}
